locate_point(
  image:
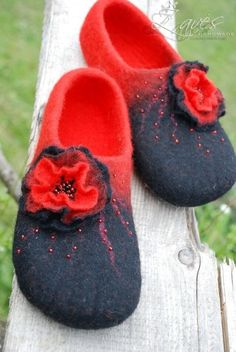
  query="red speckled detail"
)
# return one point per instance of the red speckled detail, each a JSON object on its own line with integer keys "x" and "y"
{"x": 36, "y": 230}
{"x": 151, "y": 91}
{"x": 155, "y": 91}
{"x": 177, "y": 141}
{"x": 53, "y": 237}
{"x": 122, "y": 220}
{"x": 75, "y": 247}
{"x": 79, "y": 230}
{"x": 50, "y": 250}
{"x": 18, "y": 251}
{"x": 175, "y": 125}
{"x": 103, "y": 233}
{"x": 23, "y": 237}
{"x": 214, "y": 132}
{"x": 68, "y": 256}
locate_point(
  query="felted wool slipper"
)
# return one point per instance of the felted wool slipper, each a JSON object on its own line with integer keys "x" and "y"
{"x": 75, "y": 249}
{"x": 180, "y": 148}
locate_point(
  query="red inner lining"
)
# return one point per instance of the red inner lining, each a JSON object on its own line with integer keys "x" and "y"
{"x": 90, "y": 116}
{"x": 133, "y": 37}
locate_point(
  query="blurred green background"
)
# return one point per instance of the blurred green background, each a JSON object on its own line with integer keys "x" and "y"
{"x": 20, "y": 38}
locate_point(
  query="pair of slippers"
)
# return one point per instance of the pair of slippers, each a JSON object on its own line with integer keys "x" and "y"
{"x": 75, "y": 250}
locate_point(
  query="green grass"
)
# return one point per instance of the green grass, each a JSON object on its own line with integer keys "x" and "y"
{"x": 20, "y": 38}
{"x": 217, "y": 226}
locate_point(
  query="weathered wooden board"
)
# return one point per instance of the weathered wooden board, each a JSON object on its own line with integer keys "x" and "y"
{"x": 227, "y": 285}
{"x": 179, "y": 308}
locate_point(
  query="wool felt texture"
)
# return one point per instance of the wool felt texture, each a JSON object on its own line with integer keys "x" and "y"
{"x": 75, "y": 248}
{"x": 180, "y": 149}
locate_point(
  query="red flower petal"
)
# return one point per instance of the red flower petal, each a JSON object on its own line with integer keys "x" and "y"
{"x": 68, "y": 181}
{"x": 200, "y": 97}
{"x": 45, "y": 172}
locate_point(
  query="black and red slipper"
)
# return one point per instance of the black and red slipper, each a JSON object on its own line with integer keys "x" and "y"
{"x": 75, "y": 250}
{"x": 180, "y": 148}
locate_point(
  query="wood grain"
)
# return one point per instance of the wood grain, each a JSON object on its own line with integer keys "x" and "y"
{"x": 227, "y": 285}
{"x": 180, "y": 307}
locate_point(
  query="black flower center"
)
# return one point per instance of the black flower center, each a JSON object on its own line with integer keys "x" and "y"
{"x": 65, "y": 187}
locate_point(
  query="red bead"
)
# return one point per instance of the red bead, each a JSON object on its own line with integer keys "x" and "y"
{"x": 162, "y": 113}
{"x": 155, "y": 124}
{"x": 75, "y": 248}
{"x": 214, "y": 132}
{"x": 157, "y": 138}
{"x": 154, "y": 96}
{"x": 222, "y": 139}
{"x": 142, "y": 110}
{"x": 117, "y": 212}
{"x": 199, "y": 145}
{"x": 23, "y": 237}
{"x": 105, "y": 230}
{"x": 114, "y": 200}
{"x": 137, "y": 96}
{"x": 18, "y": 251}
{"x": 191, "y": 129}
{"x": 68, "y": 256}
{"x": 161, "y": 77}
{"x": 130, "y": 233}
{"x": 100, "y": 221}
{"x": 127, "y": 223}
{"x": 177, "y": 141}
{"x": 207, "y": 152}
{"x": 79, "y": 230}
{"x": 110, "y": 248}
{"x": 162, "y": 100}
{"x": 145, "y": 83}
{"x": 36, "y": 230}
{"x": 50, "y": 250}
{"x": 199, "y": 137}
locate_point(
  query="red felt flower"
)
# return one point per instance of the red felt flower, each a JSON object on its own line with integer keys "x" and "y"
{"x": 70, "y": 181}
{"x": 196, "y": 94}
